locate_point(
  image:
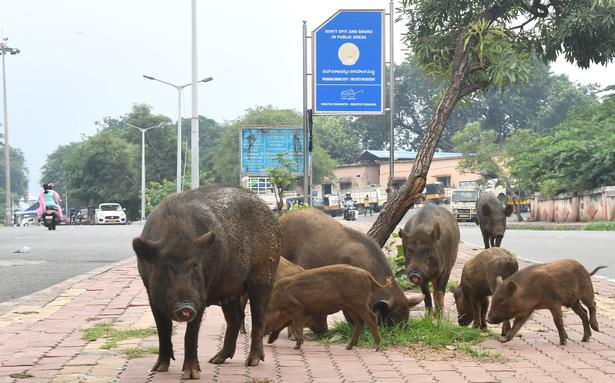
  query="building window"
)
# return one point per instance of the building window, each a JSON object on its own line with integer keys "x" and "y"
{"x": 260, "y": 185}
{"x": 446, "y": 181}
{"x": 345, "y": 185}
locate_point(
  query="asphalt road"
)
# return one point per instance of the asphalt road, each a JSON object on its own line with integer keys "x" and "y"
{"x": 591, "y": 248}
{"x": 55, "y": 256}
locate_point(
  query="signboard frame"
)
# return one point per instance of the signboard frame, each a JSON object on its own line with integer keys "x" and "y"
{"x": 297, "y": 155}
{"x": 381, "y": 61}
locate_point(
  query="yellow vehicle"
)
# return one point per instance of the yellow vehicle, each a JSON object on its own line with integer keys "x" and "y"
{"x": 434, "y": 193}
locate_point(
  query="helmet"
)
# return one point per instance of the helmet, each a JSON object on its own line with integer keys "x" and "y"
{"x": 50, "y": 185}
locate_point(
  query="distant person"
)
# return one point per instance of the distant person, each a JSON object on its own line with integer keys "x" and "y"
{"x": 367, "y": 206}
{"x": 49, "y": 199}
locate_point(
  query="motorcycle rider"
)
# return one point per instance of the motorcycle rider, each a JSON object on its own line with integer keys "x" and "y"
{"x": 48, "y": 199}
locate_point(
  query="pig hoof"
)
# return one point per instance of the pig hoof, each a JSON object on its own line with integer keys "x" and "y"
{"x": 585, "y": 339}
{"x": 160, "y": 367}
{"x": 253, "y": 361}
{"x": 191, "y": 374}
{"x": 504, "y": 339}
{"x": 218, "y": 359}
{"x": 348, "y": 347}
{"x": 297, "y": 346}
{"x": 562, "y": 342}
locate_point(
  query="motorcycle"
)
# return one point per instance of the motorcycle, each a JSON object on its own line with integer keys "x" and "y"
{"x": 349, "y": 211}
{"x": 50, "y": 219}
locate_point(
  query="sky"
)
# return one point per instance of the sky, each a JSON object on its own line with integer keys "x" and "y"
{"x": 82, "y": 60}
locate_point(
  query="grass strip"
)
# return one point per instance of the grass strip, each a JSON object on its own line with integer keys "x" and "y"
{"x": 114, "y": 336}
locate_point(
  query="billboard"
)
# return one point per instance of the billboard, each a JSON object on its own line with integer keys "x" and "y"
{"x": 348, "y": 63}
{"x": 260, "y": 146}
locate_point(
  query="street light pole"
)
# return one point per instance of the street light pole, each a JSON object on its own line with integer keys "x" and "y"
{"x": 142, "y": 130}
{"x": 4, "y": 49}
{"x": 179, "y": 88}
{"x": 195, "y": 112}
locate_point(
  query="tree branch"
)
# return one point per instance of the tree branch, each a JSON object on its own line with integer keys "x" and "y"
{"x": 520, "y": 26}
{"x": 473, "y": 87}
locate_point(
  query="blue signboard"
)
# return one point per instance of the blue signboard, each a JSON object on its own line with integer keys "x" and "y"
{"x": 348, "y": 67}
{"x": 261, "y": 145}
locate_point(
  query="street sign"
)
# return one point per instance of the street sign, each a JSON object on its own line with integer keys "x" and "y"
{"x": 260, "y": 146}
{"x": 348, "y": 63}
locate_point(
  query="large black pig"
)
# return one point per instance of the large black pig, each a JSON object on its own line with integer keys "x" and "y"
{"x": 431, "y": 239}
{"x": 491, "y": 217}
{"x": 312, "y": 239}
{"x": 202, "y": 247}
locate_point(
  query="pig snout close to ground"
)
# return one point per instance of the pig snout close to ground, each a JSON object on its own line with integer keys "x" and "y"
{"x": 312, "y": 239}
{"x": 324, "y": 291}
{"x": 491, "y": 217}
{"x": 546, "y": 286}
{"x": 208, "y": 246}
{"x": 478, "y": 282}
{"x": 430, "y": 241}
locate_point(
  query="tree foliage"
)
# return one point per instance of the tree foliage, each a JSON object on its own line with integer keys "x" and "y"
{"x": 576, "y": 155}
{"x": 281, "y": 178}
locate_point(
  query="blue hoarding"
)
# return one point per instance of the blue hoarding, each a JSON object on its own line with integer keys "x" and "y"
{"x": 261, "y": 145}
{"x": 348, "y": 63}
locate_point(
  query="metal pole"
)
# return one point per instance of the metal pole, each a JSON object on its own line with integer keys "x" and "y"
{"x": 7, "y": 149}
{"x": 180, "y": 179}
{"x": 142, "y": 174}
{"x": 195, "y": 112}
{"x": 391, "y": 96}
{"x": 306, "y": 185}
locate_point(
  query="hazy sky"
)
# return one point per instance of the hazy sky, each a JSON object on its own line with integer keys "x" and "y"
{"x": 82, "y": 60}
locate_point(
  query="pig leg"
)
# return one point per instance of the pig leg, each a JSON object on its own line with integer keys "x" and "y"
{"x": 358, "y": 323}
{"x": 191, "y": 368}
{"x": 232, "y": 314}
{"x": 259, "y": 292}
{"x": 318, "y": 325}
{"x": 244, "y": 301}
{"x": 556, "y": 311}
{"x": 427, "y": 294}
{"x": 165, "y": 347}
{"x": 478, "y": 315}
{"x": 485, "y": 239}
{"x": 484, "y": 306}
{"x": 519, "y": 322}
{"x": 439, "y": 288}
{"x": 591, "y": 306}
{"x": 372, "y": 322}
{"x": 582, "y": 313}
{"x": 298, "y": 324}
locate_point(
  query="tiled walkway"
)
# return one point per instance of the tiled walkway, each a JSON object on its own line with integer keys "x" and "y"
{"x": 41, "y": 339}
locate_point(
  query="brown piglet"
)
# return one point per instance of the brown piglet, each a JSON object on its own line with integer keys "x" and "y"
{"x": 324, "y": 291}
{"x": 547, "y": 286}
{"x": 478, "y": 282}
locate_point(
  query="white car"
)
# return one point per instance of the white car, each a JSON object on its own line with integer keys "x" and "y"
{"x": 110, "y": 213}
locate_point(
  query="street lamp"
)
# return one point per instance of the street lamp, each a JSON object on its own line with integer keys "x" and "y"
{"x": 4, "y": 49}
{"x": 142, "y": 130}
{"x": 179, "y": 89}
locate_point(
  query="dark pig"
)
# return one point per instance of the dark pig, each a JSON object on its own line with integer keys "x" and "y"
{"x": 208, "y": 246}
{"x": 430, "y": 240}
{"x": 491, "y": 217}
{"x": 547, "y": 286}
{"x": 478, "y": 281}
{"x": 312, "y": 239}
{"x": 347, "y": 288}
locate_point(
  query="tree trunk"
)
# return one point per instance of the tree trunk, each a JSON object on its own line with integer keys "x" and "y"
{"x": 398, "y": 203}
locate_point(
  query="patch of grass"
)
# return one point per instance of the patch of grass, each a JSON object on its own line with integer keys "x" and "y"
{"x": 452, "y": 285}
{"x": 559, "y": 227}
{"x": 426, "y": 331}
{"x": 139, "y": 352}
{"x": 113, "y": 336}
{"x": 600, "y": 226}
{"x": 265, "y": 380}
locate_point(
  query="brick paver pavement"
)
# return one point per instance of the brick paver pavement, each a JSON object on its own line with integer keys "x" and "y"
{"x": 41, "y": 339}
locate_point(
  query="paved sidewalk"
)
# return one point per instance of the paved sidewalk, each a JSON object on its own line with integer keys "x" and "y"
{"x": 41, "y": 339}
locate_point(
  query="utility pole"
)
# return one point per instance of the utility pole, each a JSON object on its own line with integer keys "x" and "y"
{"x": 4, "y": 49}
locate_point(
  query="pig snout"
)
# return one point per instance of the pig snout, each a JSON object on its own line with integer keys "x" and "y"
{"x": 184, "y": 312}
{"x": 415, "y": 277}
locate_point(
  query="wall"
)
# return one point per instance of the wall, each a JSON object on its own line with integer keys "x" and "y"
{"x": 439, "y": 167}
{"x": 588, "y": 206}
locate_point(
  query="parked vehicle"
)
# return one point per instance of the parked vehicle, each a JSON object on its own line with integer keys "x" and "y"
{"x": 26, "y": 216}
{"x": 332, "y": 205}
{"x": 110, "y": 213}
{"x": 463, "y": 204}
{"x": 434, "y": 193}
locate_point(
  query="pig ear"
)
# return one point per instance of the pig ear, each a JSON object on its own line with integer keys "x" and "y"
{"x": 435, "y": 233}
{"x": 146, "y": 249}
{"x": 402, "y": 233}
{"x": 498, "y": 280}
{"x": 511, "y": 286}
{"x": 205, "y": 239}
{"x": 381, "y": 307}
{"x": 508, "y": 210}
{"x": 413, "y": 301}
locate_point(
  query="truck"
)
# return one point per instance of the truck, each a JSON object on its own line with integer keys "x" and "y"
{"x": 463, "y": 204}
{"x": 377, "y": 196}
{"x": 434, "y": 193}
